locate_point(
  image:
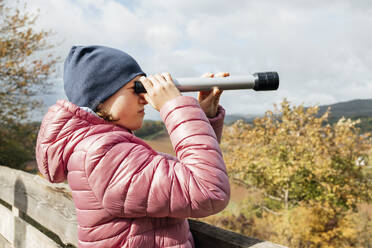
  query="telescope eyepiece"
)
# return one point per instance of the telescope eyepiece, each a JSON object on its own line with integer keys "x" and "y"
{"x": 138, "y": 88}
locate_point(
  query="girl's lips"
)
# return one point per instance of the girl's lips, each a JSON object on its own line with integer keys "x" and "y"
{"x": 141, "y": 111}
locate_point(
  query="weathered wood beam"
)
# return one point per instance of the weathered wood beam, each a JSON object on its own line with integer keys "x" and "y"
{"x": 18, "y": 233}
{"x": 206, "y": 235}
{"x": 48, "y": 204}
{"x": 4, "y": 243}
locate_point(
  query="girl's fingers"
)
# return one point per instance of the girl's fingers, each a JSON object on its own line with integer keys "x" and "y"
{"x": 204, "y": 94}
{"x": 217, "y": 91}
{"x": 153, "y": 80}
{"x": 209, "y": 99}
{"x": 222, "y": 74}
{"x": 146, "y": 83}
{"x": 148, "y": 86}
{"x": 160, "y": 79}
{"x": 160, "y": 89}
{"x": 211, "y": 94}
{"x": 217, "y": 94}
{"x": 167, "y": 77}
{"x": 208, "y": 75}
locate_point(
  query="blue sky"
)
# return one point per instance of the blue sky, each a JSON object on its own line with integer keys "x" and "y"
{"x": 321, "y": 49}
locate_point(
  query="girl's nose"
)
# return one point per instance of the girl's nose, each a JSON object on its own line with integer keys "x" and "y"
{"x": 142, "y": 98}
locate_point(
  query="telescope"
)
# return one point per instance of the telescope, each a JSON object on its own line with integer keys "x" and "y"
{"x": 260, "y": 81}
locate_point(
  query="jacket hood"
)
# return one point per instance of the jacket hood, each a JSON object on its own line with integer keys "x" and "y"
{"x": 62, "y": 128}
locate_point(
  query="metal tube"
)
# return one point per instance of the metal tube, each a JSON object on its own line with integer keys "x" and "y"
{"x": 261, "y": 81}
{"x": 224, "y": 83}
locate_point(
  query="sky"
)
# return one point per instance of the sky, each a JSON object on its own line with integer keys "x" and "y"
{"x": 321, "y": 49}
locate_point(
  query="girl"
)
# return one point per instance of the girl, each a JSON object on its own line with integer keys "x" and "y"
{"x": 125, "y": 193}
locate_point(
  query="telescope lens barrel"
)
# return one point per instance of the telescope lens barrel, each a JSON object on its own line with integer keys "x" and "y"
{"x": 266, "y": 81}
{"x": 260, "y": 81}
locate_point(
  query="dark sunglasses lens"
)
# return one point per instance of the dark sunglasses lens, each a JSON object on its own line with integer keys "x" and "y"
{"x": 138, "y": 87}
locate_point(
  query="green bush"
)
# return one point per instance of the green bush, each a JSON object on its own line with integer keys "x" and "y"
{"x": 17, "y": 144}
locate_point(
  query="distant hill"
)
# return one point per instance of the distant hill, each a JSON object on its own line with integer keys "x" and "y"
{"x": 350, "y": 109}
{"x": 354, "y": 109}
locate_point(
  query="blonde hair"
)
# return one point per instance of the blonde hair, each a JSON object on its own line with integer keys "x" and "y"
{"x": 104, "y": 114}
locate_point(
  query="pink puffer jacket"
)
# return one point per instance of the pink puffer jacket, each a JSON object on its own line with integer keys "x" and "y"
{"x": 125, "y": 193}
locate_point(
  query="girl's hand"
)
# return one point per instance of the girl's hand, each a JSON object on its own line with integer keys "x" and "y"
{"x": 160, "y": 89}
{"x": 209, "y": 100}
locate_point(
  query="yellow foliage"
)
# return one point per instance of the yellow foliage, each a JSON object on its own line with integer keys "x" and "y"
{"x": 316, "y": 226}
{"x": 312, "y": 175}
{"x": 296, "y": 156}
{"x": 303, "y": 226}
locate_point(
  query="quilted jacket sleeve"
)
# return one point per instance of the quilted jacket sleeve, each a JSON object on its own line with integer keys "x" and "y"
{"x": 139, "y": 182}
{"x": 217, "y": 125}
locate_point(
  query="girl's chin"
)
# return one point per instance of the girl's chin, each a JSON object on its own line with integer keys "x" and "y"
{"x": 133, "y": 125}
{"x": 134, "y": 128}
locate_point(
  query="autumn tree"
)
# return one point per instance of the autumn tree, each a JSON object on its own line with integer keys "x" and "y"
{"x": 26, "y": 64}
{"x": 310, "y": 173}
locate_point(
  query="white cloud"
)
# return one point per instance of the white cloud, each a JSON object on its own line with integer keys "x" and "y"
{"x": 321, "y": 49}
{"x": 163, "y": 38}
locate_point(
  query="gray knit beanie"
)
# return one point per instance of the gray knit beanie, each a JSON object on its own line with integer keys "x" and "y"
{"x": 94, "y": 73}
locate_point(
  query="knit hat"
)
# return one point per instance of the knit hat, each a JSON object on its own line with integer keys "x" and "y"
{"x": 94, "y": 73}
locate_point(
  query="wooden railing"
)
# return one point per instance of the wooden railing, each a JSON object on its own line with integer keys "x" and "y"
{"x": 35, "y": 213}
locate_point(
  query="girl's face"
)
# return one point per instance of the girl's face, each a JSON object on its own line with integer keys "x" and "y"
{"x": 126, "y": 107}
